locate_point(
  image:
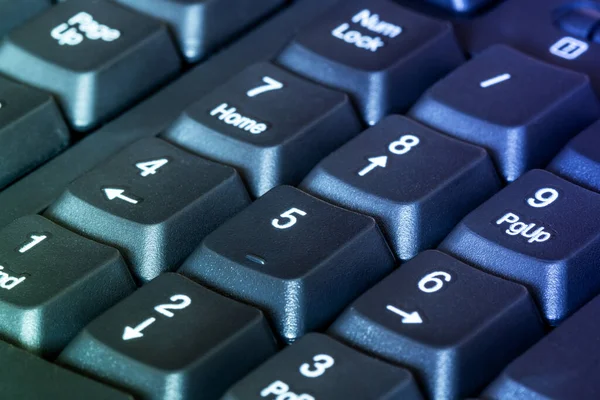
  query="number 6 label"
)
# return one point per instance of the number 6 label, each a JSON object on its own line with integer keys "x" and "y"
{"x": 434, "y": 281}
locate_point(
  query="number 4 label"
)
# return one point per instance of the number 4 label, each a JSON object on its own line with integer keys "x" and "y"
{"x": 151, "y": 167}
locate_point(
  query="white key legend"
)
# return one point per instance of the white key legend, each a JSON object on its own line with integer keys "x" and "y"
{"x": 495, "y": 80}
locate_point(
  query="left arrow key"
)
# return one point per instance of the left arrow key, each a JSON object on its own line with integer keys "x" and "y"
{"x": 155, "y": 219}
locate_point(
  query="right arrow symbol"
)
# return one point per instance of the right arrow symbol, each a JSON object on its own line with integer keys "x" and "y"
{"x": 375, "y": 162}
{"x": 407, "y": 318}
{"x": 135, "y": 333}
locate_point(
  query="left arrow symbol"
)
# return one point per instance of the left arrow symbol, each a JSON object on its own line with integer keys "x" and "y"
{"x": 135, "y": 333}
{"x": 112, "y": 194}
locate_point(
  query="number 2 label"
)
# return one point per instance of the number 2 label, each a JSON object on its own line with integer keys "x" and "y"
{"x": 180, "y": 301}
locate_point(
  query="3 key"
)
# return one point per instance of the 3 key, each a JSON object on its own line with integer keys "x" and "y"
{"x": 318, "y": 367}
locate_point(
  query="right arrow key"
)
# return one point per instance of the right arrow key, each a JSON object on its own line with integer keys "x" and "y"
{"x": 454, "y": 326}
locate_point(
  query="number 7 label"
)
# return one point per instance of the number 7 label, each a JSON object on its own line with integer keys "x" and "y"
{"x": 270, "y": 85}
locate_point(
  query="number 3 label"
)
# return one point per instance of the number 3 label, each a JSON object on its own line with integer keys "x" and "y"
{"x": 322, "y": 362}
{"x": 289, "y": 215}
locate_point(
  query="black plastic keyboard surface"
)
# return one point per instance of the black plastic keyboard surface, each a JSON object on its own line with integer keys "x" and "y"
{"x": 299, "y": 200}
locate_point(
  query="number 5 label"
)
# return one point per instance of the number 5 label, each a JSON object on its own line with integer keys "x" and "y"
{"x": 289, "y": 215}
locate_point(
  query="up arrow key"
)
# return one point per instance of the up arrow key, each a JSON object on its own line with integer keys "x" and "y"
{"x": 112, "y": 194}
{"x": 375, "y": 162}
{"x": 407, "y": 318}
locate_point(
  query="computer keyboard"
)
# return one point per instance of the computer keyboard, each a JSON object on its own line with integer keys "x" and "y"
{"x": 299, "y": 200}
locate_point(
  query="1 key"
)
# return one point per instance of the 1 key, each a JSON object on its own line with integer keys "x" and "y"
{"x": 269, "y": 124}
{"x": 522, "y": 110}
{"x": 299, "y": 259}
{"x": 544, "y": 233}
{"x": 455, "y": 326}
{"x": 318, "y": 367}
{"x": 371, "y": 48}
{"x": 417, "y": 183}
{"x": 53, "y": 283}
{"x": 173, "y": 330}
{"x": 95, "y": 57}
{"x": 152, "y": 201}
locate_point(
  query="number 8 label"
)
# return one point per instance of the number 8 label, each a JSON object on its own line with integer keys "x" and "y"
{"x": 404, "y": 144}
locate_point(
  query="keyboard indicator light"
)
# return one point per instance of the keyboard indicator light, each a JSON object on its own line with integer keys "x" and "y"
{"x": 569, "y": 48}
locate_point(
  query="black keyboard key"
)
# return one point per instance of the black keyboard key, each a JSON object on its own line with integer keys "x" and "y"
{"x": 462, "y": 6}
{"x": 579, "y": 160}
{"x": 579, "y": 20}
{"x": 152, "y": 201}
{"x": 200, "y": 26}
{"x": 418, "y": 184}
{"x": 53, "y": 283}
{"x": 299, "y": 259}
{"x": 173, "y": 339}
{"x": 24, "y": 376}
{"x": 272, "y": 126}
{"x": 97, "y": 58}
{"x": 542, "y": 232}
{"x": 318, "y": 367}
{"x": 370, "y": 49}
{"x": 562, "y": 366}
{"x": 522, "y": 110}
{"x": 31, "y": 130}
{"x": 455, "y": 326}
{"x": 14, "y": 13}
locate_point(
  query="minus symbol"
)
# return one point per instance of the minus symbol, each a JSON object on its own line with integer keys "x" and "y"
{"x": 494, "y": 81}
{"x": 256, "y": 259}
